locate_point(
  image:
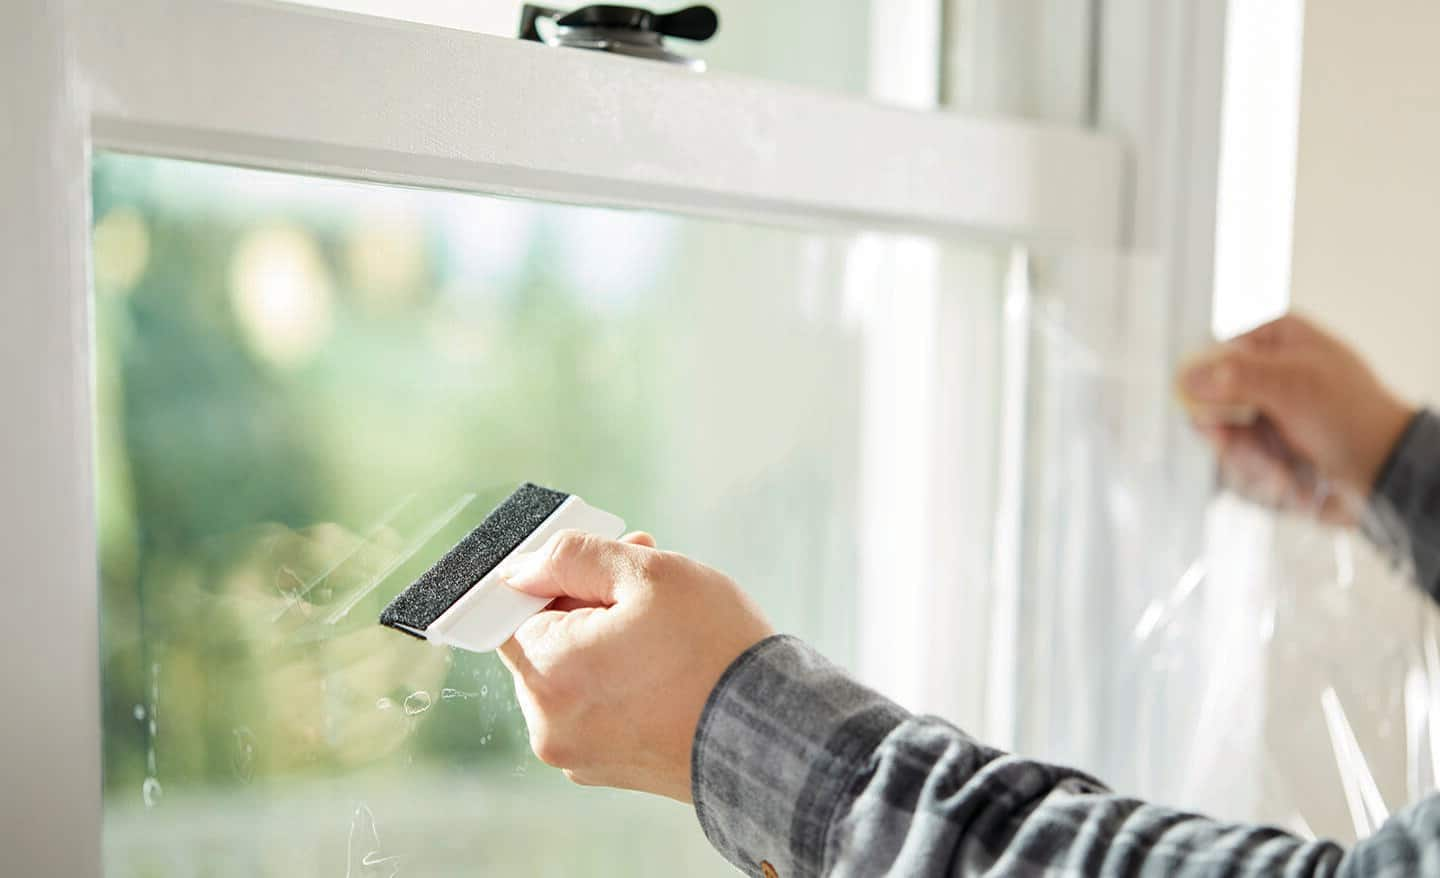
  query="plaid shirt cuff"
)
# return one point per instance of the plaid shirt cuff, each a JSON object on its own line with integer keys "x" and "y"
{"x": 780, "y": 740}
{"x": 799, "y": 772}
{"x": 1404, "y": 514}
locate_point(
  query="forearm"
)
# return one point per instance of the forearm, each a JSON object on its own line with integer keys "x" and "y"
{"x": 1404, "y": 515}
{"x": 798, "y": 766}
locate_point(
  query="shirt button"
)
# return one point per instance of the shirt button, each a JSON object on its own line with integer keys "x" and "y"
{"x": 767, "y": 870}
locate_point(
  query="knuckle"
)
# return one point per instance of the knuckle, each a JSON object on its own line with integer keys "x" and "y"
{"x": 658, "y": 568}
{"x": 1299, "y": 323}
{"x": 1293, "y": 382}
{"x": 1232, "y": 372}
{"x": 567, "y": 545}
{"x": 579, "y": 778}
{"x": 549, "y": 747}
{"x": 530, "y": 638}
{"x": 1246, "y": 375}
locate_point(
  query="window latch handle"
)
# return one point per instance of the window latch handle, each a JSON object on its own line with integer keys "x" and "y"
{"x": 698, "y": 23}
{"x": 625, "y": 30}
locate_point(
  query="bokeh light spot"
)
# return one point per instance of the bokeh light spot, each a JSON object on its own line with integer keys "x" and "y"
{"x": 282, "y": 294}
{"x": 121, "y": 251}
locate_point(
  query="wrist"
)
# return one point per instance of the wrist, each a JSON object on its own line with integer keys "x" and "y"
{"x": 706, "y": 677}
{"x": 1386, "y": 429}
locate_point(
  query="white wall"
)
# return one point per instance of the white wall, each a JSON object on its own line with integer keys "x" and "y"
{"x": 1367, "y": 214}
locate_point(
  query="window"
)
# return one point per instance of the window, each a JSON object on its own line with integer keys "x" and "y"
{"x": 308, "y": 389}
{"x": 876, "y": 242}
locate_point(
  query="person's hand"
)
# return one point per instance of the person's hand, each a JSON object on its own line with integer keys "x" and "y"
{"x": 613, "y": 676}
{"x": 1296, "y": 417}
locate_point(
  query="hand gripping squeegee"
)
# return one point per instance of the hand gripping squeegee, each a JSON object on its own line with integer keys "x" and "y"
{"x": 461, "y": 602}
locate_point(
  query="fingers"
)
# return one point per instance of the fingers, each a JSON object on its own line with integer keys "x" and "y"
{"x": 1284, "y": 330}
{"x": 512, "y": 657}
{"x": 639, "y": 538}
{"x": 1225, "y": 383}
{"x": 1253, "y": 466}
{"x": 533, "y": 642}
{"x": 1258, "y": 372}
{"x": 1214, "y": 416}
{"x": 573, "y": 564}
{"x": 589, "y": 573}
{"x": 568, "y": 604}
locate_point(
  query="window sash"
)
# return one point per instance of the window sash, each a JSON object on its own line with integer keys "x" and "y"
{"x": 285, "y": 88}
{"x": 317, "y": 92}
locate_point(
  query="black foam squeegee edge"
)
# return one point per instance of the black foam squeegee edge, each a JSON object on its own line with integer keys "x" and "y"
{"x": 481, "y": 550}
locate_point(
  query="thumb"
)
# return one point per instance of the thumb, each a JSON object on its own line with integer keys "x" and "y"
{"x": 571, "y": 564}
{"x": 1236, "y": 378}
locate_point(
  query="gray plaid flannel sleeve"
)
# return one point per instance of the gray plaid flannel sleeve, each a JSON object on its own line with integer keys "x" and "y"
{"x": 798, "y": 770}
{"x": 1406, "y": 501}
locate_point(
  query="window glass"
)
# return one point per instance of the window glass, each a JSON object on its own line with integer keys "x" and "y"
{"x": 821, "y": 43}
{"x": 308, "y": 389}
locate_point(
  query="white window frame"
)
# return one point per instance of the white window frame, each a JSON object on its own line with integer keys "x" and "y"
{"x": 261, "y": 84}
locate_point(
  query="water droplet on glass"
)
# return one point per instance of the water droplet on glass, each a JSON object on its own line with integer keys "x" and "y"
{"x": 151, "y": 792}
{"x": 418, "y": 702}
{"x": 243, "y": 759}
{"x": 484, "y": 690}
{"x": 384, "y": 704}
{"x": 139, "y": 712}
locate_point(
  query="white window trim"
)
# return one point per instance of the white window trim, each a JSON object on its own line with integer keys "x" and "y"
{"x": 455, "y": 110}
{"x": 1158, "y": 86}
{"x": 318, "y": 92}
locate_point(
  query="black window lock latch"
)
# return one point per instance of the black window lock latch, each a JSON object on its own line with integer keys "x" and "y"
{"x": 624, "y": 30}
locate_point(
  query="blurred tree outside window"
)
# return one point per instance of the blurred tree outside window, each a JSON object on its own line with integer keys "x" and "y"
{"x": 308, "y": 389}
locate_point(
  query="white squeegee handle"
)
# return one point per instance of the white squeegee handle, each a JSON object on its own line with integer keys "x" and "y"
{"x": 490, "y": 612}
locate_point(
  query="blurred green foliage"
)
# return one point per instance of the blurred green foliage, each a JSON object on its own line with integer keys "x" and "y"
{"x": 308, "y": 389}
{"x": 276, "y": 435}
